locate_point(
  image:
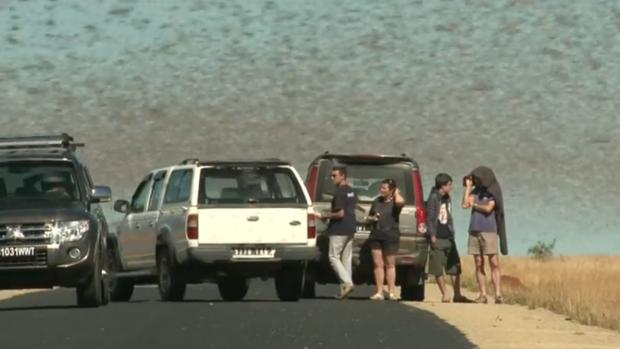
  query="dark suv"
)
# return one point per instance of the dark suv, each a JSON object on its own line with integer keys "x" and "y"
{"x": 365, "y": 173}
{"x": 52, "y": 230}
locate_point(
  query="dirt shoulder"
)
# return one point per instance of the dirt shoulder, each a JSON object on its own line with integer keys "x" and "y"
{"x": 512, "y": 326}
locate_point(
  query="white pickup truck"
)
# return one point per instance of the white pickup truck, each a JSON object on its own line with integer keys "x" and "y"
{"x": 220, "y": 221}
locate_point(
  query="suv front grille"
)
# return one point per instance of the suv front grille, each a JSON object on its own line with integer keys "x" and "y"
{"x": 25, "y": 234}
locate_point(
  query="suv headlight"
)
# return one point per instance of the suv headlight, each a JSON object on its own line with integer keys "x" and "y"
{"x": 69, "y": 231}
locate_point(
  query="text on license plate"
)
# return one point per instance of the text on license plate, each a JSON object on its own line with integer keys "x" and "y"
{"x": 258, "y": 252}
{"x": 17, "y": 252}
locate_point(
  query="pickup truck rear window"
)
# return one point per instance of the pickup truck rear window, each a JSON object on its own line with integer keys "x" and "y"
{"x": 249, "y": 185}
{"x": 365, "y": 179}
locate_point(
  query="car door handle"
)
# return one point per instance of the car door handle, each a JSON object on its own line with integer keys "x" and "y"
{"x": 253, "y": 219}
{"x": 152, "y": 224}
{"x": 138, "y": 226}
{"x": 295, "y": 223}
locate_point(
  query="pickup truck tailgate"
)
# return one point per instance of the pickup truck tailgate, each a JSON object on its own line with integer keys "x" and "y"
{"x": 253, "y": 226}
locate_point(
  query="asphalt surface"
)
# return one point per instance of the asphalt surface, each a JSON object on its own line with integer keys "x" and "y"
{"x": 51, "y": 320}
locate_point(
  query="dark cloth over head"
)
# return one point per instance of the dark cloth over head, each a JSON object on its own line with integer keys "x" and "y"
{"x": 487, "y": 179}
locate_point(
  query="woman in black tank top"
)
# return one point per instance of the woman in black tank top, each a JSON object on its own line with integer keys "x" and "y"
{"x": 384, "y": 237}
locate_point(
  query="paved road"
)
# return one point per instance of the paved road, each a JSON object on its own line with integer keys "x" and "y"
{"x": 50, "y": 320}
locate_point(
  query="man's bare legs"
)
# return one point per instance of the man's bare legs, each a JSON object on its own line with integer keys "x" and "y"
{"x": 481, "y": 278}
{"x": 456, "y": 285}
{"x": 496, "y": 274}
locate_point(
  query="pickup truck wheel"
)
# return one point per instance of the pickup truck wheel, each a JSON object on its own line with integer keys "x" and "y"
{"x": 289, "y": 282}
{"x": 412, "y": 284}
{"x": 170, "y": 283}
{"x": 233, "y": 289}
{"x": 93, "y": 293}
{"x": 121, "y": 289}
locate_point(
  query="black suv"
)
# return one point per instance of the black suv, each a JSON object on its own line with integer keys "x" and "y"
{"x": 52, "y": 230}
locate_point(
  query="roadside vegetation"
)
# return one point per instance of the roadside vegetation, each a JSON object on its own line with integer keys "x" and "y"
{"x": 585, "y": 288}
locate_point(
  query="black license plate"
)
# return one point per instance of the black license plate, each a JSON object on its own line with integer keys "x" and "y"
{"x": 17, "y": 252}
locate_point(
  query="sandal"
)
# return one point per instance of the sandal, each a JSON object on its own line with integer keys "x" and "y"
{"x": 393, "y": 298}
{"x": 499, "y": 300}
{"x": 482, "y": 300}
{"x": 377, "y": 297}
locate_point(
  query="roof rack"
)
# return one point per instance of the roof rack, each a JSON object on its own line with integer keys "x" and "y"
{"x": 63, "y": 141}
{"x": 191, "y": 161}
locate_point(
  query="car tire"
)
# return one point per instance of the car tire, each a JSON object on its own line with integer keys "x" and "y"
{"x": 93, "y": 293}
{"x": 289, "y": 282}
{"x": 412, "y": 284}
{"x": 170, "y": 283}
{"x": 121, "y": 289}
{"x": 233, "y": 289}
{"x": 309, "y": 284}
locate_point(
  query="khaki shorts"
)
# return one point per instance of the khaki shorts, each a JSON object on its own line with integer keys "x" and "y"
{"x": 483, "y": 244}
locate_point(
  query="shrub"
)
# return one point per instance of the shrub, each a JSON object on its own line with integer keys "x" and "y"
{"x": 542, "y": 250}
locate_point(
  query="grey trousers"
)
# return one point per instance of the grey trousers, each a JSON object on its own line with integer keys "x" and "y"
{"x": 340, "y": 256}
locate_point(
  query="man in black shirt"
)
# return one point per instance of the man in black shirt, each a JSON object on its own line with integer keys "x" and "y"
{"x": 341, "y": 230}
{"x": 444, "y": 258}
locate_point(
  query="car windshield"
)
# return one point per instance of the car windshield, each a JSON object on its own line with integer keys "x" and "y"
{"x": 365, "y": 179}
{"x": 249, "y": 185}
{"x": 47, "y": 180}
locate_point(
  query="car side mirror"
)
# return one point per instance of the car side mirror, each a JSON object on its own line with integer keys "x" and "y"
{"x": 101, "y": 193}
{"x": 121, "y": 206}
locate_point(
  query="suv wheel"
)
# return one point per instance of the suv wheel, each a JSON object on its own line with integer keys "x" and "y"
{"x": 233, "y": 289}
{"x": 94, "y": 292}
{"x": 309, "y": 290}
{"x": 171, "y": 285}
{"x": 289, "y": 282}
{"x": 121, "y": 289}
{"x": 412, "y": 284}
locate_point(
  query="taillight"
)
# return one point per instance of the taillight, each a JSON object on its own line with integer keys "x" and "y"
{"x": 311, "y": 183}
{"x": 420, "y": 213}
{"x": 311, "y": 226}
{"x": 192, "y": 227}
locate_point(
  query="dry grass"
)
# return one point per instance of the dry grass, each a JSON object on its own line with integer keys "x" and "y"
{"x": 586, "y": 289}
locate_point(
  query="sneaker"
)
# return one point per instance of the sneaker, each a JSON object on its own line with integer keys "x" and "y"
{"x": 377, "y": 297}
{"x": 461, "y": 299}
{"x": 346, "y": 292}
{"x": 499, "y": 300}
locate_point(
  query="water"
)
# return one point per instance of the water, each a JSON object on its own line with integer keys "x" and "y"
{"x": 527, "y": 88}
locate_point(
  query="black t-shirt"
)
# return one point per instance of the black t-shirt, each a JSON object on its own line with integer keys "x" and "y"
{"x": 387, "y": 227}
{"x": 444, "y": 217}
{"x": 344, "y": 199}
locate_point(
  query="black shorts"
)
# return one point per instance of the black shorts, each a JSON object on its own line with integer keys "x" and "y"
{"x": 389, "y": 246}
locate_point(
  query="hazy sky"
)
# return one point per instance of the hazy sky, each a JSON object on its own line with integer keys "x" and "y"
{"x": 528, "y": 88}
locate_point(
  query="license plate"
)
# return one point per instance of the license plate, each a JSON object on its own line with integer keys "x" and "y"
{"x": 16, "y": 252}
{"x": 253, "y": 253}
